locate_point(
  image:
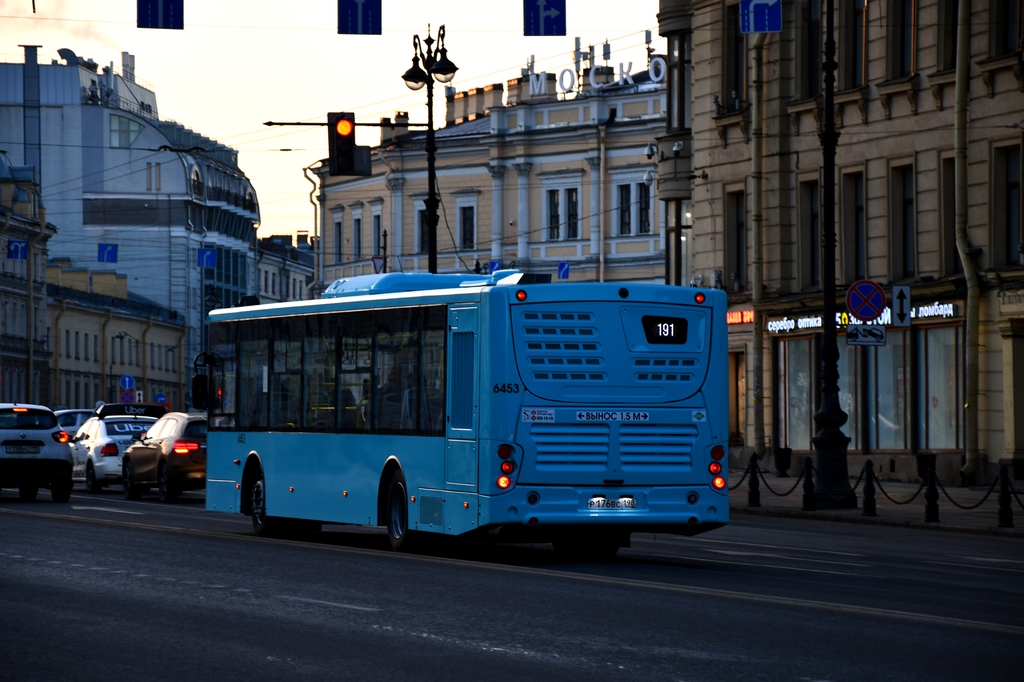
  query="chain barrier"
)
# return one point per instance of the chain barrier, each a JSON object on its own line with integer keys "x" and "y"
{"x": 973, "y": 506}
{"x": 871, "y": 482}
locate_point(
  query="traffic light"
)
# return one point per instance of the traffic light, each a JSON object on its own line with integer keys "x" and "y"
{"x": 341, "y": 136}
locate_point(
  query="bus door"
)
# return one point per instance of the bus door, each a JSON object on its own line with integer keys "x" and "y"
{"x": 463, "y": 375}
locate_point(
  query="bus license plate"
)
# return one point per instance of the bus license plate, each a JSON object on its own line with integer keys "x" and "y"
{"x": 601, "y": 502}
{"x": 22, "y": 450}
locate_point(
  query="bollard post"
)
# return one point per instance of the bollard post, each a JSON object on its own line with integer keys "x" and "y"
{"x": 808, "y": 486}
{"x": 1005, "y": 510}
{"x": 754, "y": 493}
{"x": 931, "y": 498}
{"x": 869, "y": 489}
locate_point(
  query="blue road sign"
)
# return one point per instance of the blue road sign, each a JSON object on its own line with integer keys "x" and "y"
{"x": 207, "y": 258}
{"x": 127, "y": 381}
{"x": 760, "y": 16}
{"x": 161, "y": 397}
{"x": 563, "y": 270}
{"x": 359, "y": 17}
{"x": 493, "y": 266}
{"x": 543, "y": 17}
{"x": 160, "y": 14}
{"x": 865, "y": 300}
{"x": 107, "y": 253}
{"x": 17, "y": 249}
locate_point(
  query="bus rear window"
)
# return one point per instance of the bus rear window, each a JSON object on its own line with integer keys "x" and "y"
{"x": 664, "y": 330}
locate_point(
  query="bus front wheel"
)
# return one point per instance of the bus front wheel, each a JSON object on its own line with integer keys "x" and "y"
{"x": 399, "y": 535}
{"x": 263, "y": 525}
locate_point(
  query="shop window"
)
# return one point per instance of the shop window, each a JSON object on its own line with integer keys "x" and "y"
{"x": 886, "y": 392}
{"x": 938, "y": 415}
{"x": 796, "y": 386}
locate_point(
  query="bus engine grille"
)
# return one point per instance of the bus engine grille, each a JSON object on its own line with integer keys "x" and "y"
{"x": 656, "y": 445}
{"x": 576, "y": 446}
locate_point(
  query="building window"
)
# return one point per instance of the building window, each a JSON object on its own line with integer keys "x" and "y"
{"x": 734, "y": 82}
{"x": 467, "y": 227}
{"x": 553, "y": 215}
{"x": 375, "y": 235}
{"x": 78, "y": 354}
{"x": 422, "y": 231}
{"x": 625, "y": 209}
{"x": 903, "y": 232}
{"x": 902, "y": 38}
{"x": 1006, "y": 203}
{"x": 948, "y": 27}
{"x": 853, "y": 32}
{"x": 67, "y": 343}
{"x": 643, "y": 208}
{"x": 854, "y": 228}
{"x": 736, "y": 254}
{"x": 123, "y": 131}
{"x": 679, "y": 81}
{"x": 810, "y": 234}
{"x": 338, "y": 240}
{"x": 572, "y": 213}
{"x": 357, "y": 238}
{"x": 1005, "y": 32}
{"x": 810, "y": 48}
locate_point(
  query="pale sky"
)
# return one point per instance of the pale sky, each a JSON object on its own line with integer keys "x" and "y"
{"x": 238, "y": 63}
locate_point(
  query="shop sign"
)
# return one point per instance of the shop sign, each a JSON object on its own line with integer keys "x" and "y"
{"x": 657, "y": 70}
{"x": 739, "y": 317}
{"x": 844, "y": 319}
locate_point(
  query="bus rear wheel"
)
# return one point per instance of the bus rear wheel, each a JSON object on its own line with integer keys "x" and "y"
{"x": 397, "y": 514}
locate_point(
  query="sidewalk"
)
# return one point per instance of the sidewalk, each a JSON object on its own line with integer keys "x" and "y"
{"x": 984, "y": 519}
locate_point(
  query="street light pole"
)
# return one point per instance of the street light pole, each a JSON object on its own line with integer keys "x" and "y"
{"x": 439, "y": 68}
{"x": 832, "y": 490}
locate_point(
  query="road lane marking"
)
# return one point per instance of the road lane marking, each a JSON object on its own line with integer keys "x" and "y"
{"x": 979, "y": 566}
{"x": 329, "y": 603}
{"x": 108, "y": 509}
{"x": 785, "y": 557}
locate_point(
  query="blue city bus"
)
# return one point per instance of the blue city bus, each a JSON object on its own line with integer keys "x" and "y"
{"x": 501, "y": 406}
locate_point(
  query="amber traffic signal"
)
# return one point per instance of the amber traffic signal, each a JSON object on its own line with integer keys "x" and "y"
{"x": 341, "y": 135}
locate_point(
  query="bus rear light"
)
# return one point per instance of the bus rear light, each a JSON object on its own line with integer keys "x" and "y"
{"x": 109, "y": 450}
{"x": 718, "y": 482}
{"x": 699, "y": 297}
{"x": 717, "y": 452}
{"x": 183, "y": 448}
{"x": 715, "y": 468}
{"x": 504, "y": 482}
{"x": 507, "y": 467}
{"x": 504, "y": 451}
{"x": 520, "y": 295}
{"x": 465, "y": 505}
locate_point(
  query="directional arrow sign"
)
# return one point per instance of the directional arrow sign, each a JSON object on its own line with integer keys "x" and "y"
{"x": 901, "y": 306}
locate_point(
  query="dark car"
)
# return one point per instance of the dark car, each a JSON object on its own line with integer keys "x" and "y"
{"x": 171, "y": 455}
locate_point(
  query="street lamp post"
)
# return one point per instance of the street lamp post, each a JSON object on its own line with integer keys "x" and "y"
{"x": 439, "y": 68}
{"x": 833, "y": 487}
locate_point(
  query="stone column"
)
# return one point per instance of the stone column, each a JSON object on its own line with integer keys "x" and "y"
{"x": 523, "y": 218}
{"x": 395, "y": 235}
{"x": 497, "y": 210}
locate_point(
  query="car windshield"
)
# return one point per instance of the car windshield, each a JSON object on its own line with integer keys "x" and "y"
{"x": 26, "y": 418}
{"x": 126, "y": 427}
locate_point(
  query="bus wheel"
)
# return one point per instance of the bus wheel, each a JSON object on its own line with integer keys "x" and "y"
{"x": 399, "y": 535}
{"x": 263, "y": 525}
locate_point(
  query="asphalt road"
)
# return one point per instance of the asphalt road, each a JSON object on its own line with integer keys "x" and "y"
{"x": 106, "y": 589}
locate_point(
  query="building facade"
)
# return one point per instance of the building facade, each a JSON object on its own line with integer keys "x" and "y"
{"x": 131, "y": 193}
{"x": 25, "y": 233}
{"x": 543, "y": 178}
{"x": 285, "y": 270}
{"x": 895, "y": 220}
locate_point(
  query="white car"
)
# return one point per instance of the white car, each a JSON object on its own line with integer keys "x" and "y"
{"x": 33, "y": 452}
{"x": 98, "y": 446}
